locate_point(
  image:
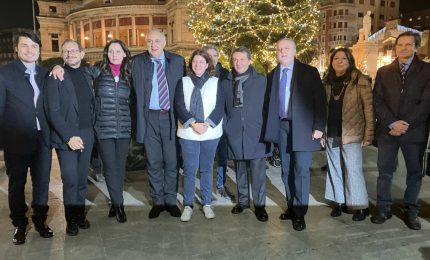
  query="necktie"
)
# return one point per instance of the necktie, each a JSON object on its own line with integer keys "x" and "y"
{"x": 163, "y": 90}
{"x": 403, "y": 72}
{"x": 36, "y": 93}
{"x": 284, "y": 94}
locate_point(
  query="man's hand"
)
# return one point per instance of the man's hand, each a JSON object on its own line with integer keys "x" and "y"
{"x": 57, "y": 72}
{"x": 399, "y": 126}
{"x": 200, "y": 128}
{"x": 316, "y": 134}
{"x": 395, "y": 133}
{"x": 75, "y": 143}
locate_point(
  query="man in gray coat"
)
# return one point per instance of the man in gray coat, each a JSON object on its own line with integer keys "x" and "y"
{"x": 245, "y": 92}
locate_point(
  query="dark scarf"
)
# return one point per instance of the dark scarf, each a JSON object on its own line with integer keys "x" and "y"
{"x": 238, "y": 87}
{"x": 196, "y": 102}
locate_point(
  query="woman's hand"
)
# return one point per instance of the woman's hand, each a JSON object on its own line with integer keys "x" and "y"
{"x": 200, "y": 128}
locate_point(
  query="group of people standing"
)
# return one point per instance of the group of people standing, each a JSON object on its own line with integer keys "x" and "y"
{"x": 201, "y": 109}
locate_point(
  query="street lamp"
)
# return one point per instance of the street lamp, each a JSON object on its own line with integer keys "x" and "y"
{"x": 34, "y": 16}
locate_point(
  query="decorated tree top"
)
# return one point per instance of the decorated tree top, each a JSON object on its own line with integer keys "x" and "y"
{"x": 256, "y": 24}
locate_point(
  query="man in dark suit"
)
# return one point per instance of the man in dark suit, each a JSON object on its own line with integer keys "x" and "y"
{"x": 24, "y": 134}
{"x": 246, "y": 115}
{"x": 69, "y": 107}
{"x": 296, "y": 122}
{"x": 155, "y": 75}
{"x": 402, "y": 106}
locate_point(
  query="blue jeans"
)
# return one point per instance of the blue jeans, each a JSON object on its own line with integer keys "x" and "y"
{"x": 222, "y": 162}
{"x": 198, "y": 155}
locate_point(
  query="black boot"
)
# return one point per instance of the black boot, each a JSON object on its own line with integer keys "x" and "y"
{"x": 72, "y": 228}
{"x": 82, "y": 220}
{"x": 120, "y": 213}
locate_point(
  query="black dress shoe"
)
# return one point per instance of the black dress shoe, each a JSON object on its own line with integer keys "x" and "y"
{"x": 120, "y": 214}
{"x": 360, "y": 214}
{"x": 288, "y": 214}
{"x": 83, "y": 223}
{"x": 413, "y": 222}
{"x": 111, "y": 212}
{"x": 380, "y": 217}
{"x": 20, "y": 235}
{"x": 299, "y": 223}
{"x": 44, "y": 230}
{"x": 174, "y": 211}
{"x": 261, "y": 214}
{"x": 338, "y": 209}
{"x": 237, "y": 209}
{"x": 72, "y": 228}
{"x": 155, "y": 211}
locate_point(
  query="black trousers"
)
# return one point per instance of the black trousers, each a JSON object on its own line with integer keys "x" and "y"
{"x": 113, "y": 153}
{"x": 17, "y": 166}
{"x": 387, "y": 164}
{"x": 74, "y": 167}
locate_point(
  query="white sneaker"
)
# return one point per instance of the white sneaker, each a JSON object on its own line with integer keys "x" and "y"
{"x": 186, "y": 214}
{"x": 209, "y": 214}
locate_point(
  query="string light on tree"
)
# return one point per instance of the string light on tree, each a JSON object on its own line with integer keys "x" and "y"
{"x": 256, "y": 24}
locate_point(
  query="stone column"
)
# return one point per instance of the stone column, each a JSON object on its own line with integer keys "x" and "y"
{"x": 91, "y": 33}
{"x": 71, "y": 34}
{"x": 102, "y": 20}
{"x": 82, "y": 33}
{"x": 117, "y": 27}
{"x": 151, "y": 22}
{"x": 133, "y": 29}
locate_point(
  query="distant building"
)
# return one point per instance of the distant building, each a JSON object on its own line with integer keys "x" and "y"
{"x": 378, "y": 50}
{"x": 341, "y": 20}
{"x": 95, "y": 22}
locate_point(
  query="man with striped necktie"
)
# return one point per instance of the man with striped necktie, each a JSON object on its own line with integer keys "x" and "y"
{"x": 155, "y": 75}
{"x": 402, "y": 107}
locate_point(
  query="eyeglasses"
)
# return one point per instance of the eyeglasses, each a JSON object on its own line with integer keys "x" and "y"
{"x": 74, "y": 51}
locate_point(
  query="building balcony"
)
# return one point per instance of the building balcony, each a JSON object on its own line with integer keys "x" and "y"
{"x": 343, "y": 17}
{"x": 337, "y": 43}
{"x": 336, "y": 31}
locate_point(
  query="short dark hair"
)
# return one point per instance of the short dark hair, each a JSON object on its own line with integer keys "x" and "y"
{"x": 416, "y": 36}
{"x": 205, "y": 55}
{"x": 27, "y": 34}
{"x": 243, "y": 49}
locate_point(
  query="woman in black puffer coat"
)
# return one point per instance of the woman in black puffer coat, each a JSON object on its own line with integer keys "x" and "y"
{"x": 113, "y": 120}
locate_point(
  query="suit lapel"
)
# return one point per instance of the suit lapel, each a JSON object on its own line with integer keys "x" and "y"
{"x": 395, "y": 74}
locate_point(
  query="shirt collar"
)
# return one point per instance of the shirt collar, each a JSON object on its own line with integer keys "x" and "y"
{"x": 408, "y": 62}
{"x": 290, "y": 67}
{"x": 31, "y": 70}
{"x": 162, "y": 58}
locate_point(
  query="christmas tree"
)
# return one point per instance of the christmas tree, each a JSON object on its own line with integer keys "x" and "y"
{"x": 256, "y": 24}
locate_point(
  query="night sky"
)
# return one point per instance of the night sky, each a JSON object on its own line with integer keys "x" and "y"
{"x": 18, "y": 13}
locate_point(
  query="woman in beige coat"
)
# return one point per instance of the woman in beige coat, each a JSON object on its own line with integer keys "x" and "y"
{"x": 350, "y": 127}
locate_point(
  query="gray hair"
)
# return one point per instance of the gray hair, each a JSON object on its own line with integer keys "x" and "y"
{"x": 210, "y": 47}
{"x": 155, "y": 30}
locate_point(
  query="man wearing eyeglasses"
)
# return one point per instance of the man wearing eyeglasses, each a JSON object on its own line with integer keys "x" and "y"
{"x": 402, "y": 107}
{"x": 69, "y": 106}
{"x": 155, "y": 75}
{"x": 24, "y": 135}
